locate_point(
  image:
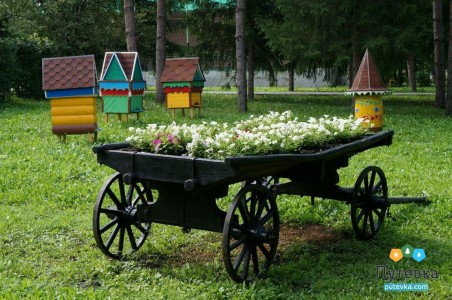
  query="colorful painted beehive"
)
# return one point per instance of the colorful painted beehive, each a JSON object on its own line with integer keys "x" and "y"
{"x": 183, "y": 81}
{"x": 121, "y": 84}
{"x": 368, "y": 88}
{"x": 71, "y": 85}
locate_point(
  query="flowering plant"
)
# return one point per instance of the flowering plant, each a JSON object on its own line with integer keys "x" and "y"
{"x": 266, "y": 134}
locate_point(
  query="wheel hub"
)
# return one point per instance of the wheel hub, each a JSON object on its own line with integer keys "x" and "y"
{"x": 260, "y": 234}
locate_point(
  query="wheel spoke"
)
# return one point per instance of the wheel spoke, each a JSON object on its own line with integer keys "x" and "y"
{"x": 112, "y": 237}
{"x": 239, "y": 258}
{"x": 265, "y": 218}
{"x": 111, "y": 211}
{"x": 366, "y": 185}
{"x": 252, "y": 208}
{"x": 255, "y": 259}
{"x": 238, "y": 226}
{"x": 108, "y": 225}
{"x": 246, "y": 266}
{"x": 121, "y": 241}
{"x": 377, "y": 187}
{"x": 260, "y": 209}
{"x": 264, "y": 250}
{"x": 244, "y": 212}
{"x": 237, "y": 243}
{"x": 378, "y": 213}
{"x": 131, "y": 237}
{"x": 360, "y": 216}
{"x": 140, "y": 228}
{"x": 372, "y": 180}
{"x": 371, "y": 222}
{"x": 366, "y": 215}
{"x": 115, "y": 199}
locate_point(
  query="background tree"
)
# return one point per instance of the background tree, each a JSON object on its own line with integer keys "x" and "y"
{"x": 240, "y": 55}
{"x": 130, "y": 25}
{"x": 449, "y": 66}
{"x": 438, "y": 42}
{"x": 160, "y": 55}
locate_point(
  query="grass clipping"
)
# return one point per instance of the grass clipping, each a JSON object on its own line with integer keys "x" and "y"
{"x": 273, "y": 133}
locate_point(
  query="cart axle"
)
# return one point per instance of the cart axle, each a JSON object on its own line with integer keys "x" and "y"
{"x": 404, "y": 200}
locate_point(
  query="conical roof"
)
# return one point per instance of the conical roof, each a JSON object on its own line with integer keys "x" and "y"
{"x": 367, "y": 79}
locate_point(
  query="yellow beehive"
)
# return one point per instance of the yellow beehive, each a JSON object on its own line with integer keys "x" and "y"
{"x": 183, "y": 81}
{"x": 71, "y": 85}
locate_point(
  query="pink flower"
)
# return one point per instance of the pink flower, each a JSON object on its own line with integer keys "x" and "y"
{"x": 156, "y": 142}
{"x": 170, "y": 138}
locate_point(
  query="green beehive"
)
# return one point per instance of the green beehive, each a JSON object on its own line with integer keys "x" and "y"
{"x": 121, "y": 84}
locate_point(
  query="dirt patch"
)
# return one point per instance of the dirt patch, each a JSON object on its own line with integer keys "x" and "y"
{"x": 308, "y": 233}
{"x": 208, "y": 248}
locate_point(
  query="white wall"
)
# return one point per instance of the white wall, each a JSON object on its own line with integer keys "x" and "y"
{"x": 219, "y": 78}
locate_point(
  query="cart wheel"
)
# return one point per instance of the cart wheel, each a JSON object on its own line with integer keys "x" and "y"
{"x": 250, "y": 233}
{"x": 116, "y": 228}
{"x": 369, "y": 202}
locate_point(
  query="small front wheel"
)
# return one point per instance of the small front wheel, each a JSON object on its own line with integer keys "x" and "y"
{"x": 117, "y": 229}
{"x": 250, "y": 233}
{"x": 369, "y": 203}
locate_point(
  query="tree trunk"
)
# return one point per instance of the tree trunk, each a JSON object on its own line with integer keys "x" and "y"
{"x": 131, "y": 31}
{"x": 291, "y": 71}
{"x": 411, "y": 72}
{"x": 356, "y": 61}
{"x": 160, "y": 53}
{"x": 438, "y": 43}
{"x": 250, "y": 62}
{"x": 240, "y": 55}
{"x": 449, "y": 67}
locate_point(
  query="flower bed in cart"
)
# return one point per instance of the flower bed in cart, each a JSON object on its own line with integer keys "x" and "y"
{"x": 272, "y": 133}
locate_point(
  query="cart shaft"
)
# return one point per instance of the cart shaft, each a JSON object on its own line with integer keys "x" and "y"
{"x": 403, "y": 200}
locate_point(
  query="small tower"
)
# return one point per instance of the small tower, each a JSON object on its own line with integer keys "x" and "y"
{"x": 71, "y": 85}
{"x": 368, "y": 88}
{"x": 121, "y": 84}
{"x": 183, "y": 81}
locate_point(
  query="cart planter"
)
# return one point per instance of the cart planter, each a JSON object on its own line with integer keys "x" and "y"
{"x": 182, "y": 191}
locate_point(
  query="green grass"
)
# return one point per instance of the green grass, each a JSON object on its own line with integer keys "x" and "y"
{"x": 48, "y": 189}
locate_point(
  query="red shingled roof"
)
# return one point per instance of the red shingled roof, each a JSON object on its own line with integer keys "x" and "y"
{"x": 367, "y": 78}
{"x": 68, "y": 72}
{"x": 180, "y": 69}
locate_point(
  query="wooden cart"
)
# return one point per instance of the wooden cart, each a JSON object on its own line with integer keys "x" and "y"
{"x": 182, "y": 191}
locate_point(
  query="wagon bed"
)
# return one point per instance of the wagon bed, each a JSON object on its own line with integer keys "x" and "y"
{"x": 208, "y": 172}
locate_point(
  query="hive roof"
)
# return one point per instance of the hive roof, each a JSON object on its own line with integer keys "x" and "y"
{"x": 182, "y": 70}
{"x": 128, "y": 62}
{"x": 367, "y": 79}
{"x": 69, "y": 72}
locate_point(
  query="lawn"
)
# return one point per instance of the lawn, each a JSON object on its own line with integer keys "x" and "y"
{"x": 48, "y": 190}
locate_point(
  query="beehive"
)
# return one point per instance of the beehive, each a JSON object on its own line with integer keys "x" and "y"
{"x": 183, "y": 81}
{"x": 368, "y": 88}
{"x": 121, "y": 84}
{"x": 71, "y": 85}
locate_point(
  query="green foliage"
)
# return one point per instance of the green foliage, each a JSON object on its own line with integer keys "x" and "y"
{"x": 48, "y": 189}
{"x": 7, "y": 67}
{"x": 423, "y": 78}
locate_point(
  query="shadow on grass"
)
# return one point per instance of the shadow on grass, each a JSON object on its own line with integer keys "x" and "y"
{"x": 309, "y": 257}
